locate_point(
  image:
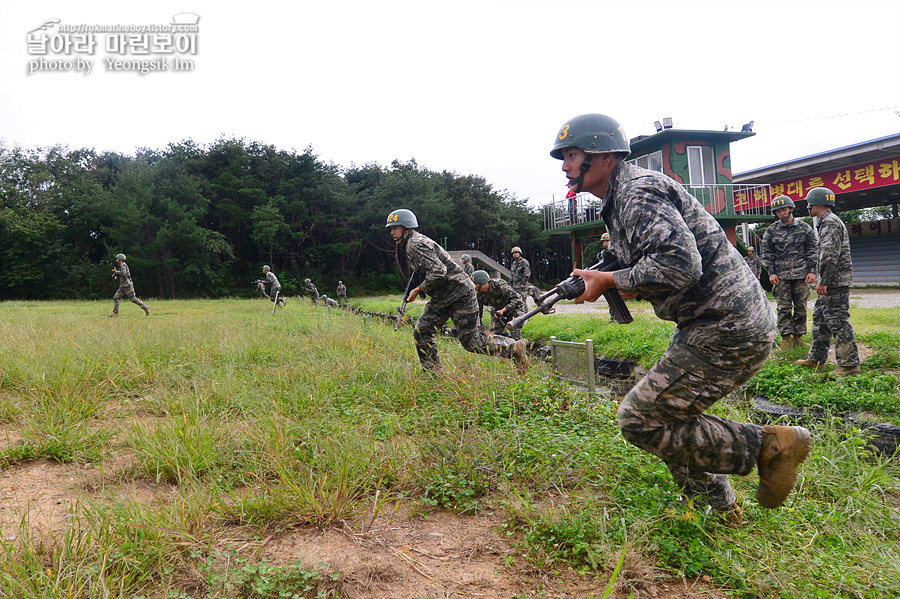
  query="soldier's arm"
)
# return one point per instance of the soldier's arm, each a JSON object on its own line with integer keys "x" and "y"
{"x": 430, "y": 268}
{"x": 830, "y": 239}
{"x": 812, "y": 251}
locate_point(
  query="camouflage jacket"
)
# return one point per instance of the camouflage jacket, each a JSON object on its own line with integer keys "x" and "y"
{"x": 789, "y": 251}
{"x": 123, "y": 274}
{"x": 342, "y": 291}
{"x": 520, "y": 273}
{"x": 468, "y": 268}
{"x": 311, "y": 287}
{"x": 500, "y": 295}
{"x": 678, "y": 258}
{"x": 273, "y": 281}
{"x": 442, "y": 277}
{"x": 835, "y": 264}
{"x": 754, "y": 264}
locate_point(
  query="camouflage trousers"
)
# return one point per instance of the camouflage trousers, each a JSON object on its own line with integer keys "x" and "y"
{"x": 464, "y": 312}
{"x": 126, "y": 293}
{"x": 342, "y": 298}
{"x": 791, "y": 295}
{"x": 314, "y": 296}
{"x": 274, "y": 292}
{"x": 262, "y": 290}
{"x": 663, "y": 415}
{"x": 831, "y": 318}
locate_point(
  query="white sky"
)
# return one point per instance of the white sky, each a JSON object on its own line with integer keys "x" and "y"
{"x": 470, "y": 87}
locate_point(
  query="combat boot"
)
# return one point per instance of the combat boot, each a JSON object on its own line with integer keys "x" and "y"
{"x": 520, "y": 355}
{"x": 783, "y": 449}
{"x": 807, "y": 363}
{"x": 734, "y": 515}
{"x": 846, "y": 370}
{"x": 799, "y": 342}
{"x": 146, "y": 311}
{"x": 787, "y": 341}
{"x": 114, "y": 315}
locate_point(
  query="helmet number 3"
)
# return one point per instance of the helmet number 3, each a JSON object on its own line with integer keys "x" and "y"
{"x": 564, "y": 132}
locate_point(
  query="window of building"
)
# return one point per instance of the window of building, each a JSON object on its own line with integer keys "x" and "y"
{"x": 651, "y": 161}
{"x": 701, "y": 165}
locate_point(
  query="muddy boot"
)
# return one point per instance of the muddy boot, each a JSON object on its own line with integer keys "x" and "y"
{"x": 520, "y": 356}
{"x": 846, "y": 370}
{"x": 799, "y": 342}
{"x": 807, "y": 363}
{"x": 114, "y": 315}
{"x": 783, "y": 449}
{"x": 733, "y": 516}
{"x": 787, "y": 341}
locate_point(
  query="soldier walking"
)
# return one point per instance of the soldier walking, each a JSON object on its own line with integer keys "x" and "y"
{"x": 452, "y": 296}
{"x": 126, "y": 287}
{"x": 274, "y": 286}
{"x": 789, "y": 254}
{"x": 467, "y": 265}
{"x": 313, "y": 292}
{"x": 676, "y": 256}
{"x": 520, "y": 272}
{"x": 507, "y": 304}
{"x": 753, "y": 262}
{"x": 831, "y": 316}
{"x": 341, "y": 293}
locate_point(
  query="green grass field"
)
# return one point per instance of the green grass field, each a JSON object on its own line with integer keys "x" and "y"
{"x": 259, "y": 426}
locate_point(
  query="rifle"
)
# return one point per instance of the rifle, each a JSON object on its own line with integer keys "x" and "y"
{"x": 573, "y": 287}
{"x": 414, "y": 281}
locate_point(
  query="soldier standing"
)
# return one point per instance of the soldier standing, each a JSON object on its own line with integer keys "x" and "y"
{"x": 753, "y": 262}
{"x": 313, "y": 292}
{"x": 341, "y": 293}
{"x": 520, "y": 272}
{"x": 467, "y": 265}
{"x": 126, "y": 287}
{"x": 274, "y": 286}
{"x": 831, "y": 316}
{"x": 676, "y": 256}
{"x": 789, "y": 254}
{"x": 499, "y": 295}
{"x": 604, "y": 239}
{"x": 452, "y": 296}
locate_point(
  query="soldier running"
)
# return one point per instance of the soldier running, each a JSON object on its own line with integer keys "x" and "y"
{"x": 126, "y": 287}
{"x": 274, "y": 286}
{"x": 313, "y": 292}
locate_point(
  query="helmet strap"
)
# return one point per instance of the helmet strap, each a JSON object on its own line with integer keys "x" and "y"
{"x": 585, "y": 167}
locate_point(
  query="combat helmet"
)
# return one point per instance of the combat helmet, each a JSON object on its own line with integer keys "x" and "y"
{"x": 779, "y": 202}
{"x": 402, "y": 217}
{"x": 120, "y": 257}
{"x": 593, "y": 133}
{"x": 467, "y": 257}
{"x": 515, "y": 249}
{"x": 750, "y": 248}
{"x": 307, "y": 281}
{"x": 480, "y": 277}
{"x": 266, "y": 268}
{"x": 604, "y": 237}
{"x": 820, "y": 196}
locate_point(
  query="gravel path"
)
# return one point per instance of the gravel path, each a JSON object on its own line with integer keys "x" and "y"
{"x": 861, "y": 298}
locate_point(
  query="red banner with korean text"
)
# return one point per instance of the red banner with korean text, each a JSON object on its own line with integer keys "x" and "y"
{"x": 878, "y": 173}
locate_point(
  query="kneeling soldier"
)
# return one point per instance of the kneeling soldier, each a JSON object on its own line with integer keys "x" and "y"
{"x": 506, "y": 302}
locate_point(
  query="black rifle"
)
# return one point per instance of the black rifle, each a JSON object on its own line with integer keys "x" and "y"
{"x": 414, "y": 281}
{"x": 573, "y": 287}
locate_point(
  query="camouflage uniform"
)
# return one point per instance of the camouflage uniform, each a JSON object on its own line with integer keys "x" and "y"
{"x": 126, "y": 289}
{"x": 261, "y": 287}
{"x": 274, "y": 285}
{"x": 452, "y": 296}
{"x": 500, "y": 295}
{"x": 789, "y": 251}
{"x": 679, "y": 259}
{"x": 313, "y": 293}
{"x": 754, "y": 264}
{"x": 520, "y": 272}
{"x": 330, "y": 302}
{"x": 342, "y": 294}
{"x": 468, "y": 269}
{"x": 831, "y": 316}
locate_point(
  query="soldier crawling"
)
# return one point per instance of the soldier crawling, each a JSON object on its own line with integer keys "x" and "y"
{"x": 126, "y": 287}
{"x": 452, "y": 296}
{"x": 506, "y": 302}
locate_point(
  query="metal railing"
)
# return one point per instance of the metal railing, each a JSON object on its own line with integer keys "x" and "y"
{"x": 720, "y": 199}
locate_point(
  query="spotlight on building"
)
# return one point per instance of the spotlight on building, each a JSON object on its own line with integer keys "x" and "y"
{"x": 658, "y": 126}
{"x": 667, "y": 122}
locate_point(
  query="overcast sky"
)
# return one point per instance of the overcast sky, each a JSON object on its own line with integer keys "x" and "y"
{"x": 470, "y": 87}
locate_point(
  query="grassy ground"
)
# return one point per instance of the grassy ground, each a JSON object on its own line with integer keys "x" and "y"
{"x": 268, "y": 424}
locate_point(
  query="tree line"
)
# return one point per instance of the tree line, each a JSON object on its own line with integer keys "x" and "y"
{"x": 201, "y": 220}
